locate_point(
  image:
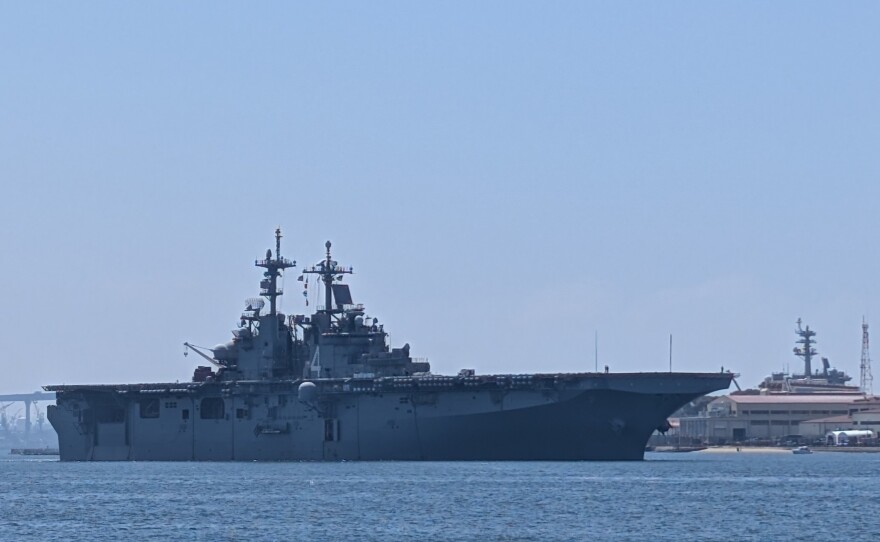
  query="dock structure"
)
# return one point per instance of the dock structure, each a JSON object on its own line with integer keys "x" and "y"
{"x": 28, "y": 399}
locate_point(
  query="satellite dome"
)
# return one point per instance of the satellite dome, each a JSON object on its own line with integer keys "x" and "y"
{"x": 224, "y": 352}
{"x": 307, "y": 392}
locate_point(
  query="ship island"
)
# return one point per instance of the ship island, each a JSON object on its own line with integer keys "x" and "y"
{"x": 328, "y": 387}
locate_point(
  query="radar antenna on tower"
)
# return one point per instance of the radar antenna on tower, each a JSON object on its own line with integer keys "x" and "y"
{"x": 329, "y": 271}
{"x": 806, "y": 351}
{"x": 273, "y": 266}
{"x": 866, "y": 382}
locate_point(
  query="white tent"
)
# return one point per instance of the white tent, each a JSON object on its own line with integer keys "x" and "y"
{"x": 842, "y": 438}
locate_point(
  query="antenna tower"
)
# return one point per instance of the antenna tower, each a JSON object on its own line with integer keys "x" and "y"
{"x": 866, "y": 382}
{"x": 806, "y": 351}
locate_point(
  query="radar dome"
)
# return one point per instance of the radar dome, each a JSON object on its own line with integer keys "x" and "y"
{"x": 224, "y": 352}
{"x": 307, "y": 392}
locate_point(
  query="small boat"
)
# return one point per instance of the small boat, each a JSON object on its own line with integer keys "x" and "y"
{"x": 802, "y": 450}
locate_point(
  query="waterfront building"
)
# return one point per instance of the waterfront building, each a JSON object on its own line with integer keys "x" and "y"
{"x": 772, "y": 417}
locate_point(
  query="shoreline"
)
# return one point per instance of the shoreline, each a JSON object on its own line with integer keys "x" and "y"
{"x": 786, "y": 450}
{"x": 745, "y": 450}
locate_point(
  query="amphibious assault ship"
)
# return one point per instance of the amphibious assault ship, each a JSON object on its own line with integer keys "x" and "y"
{"x": 328, "y": 386}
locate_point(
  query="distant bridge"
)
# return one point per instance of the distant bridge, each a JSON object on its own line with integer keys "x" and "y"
{"x": 28, "y": 399}
{"x": 35, "y": 396}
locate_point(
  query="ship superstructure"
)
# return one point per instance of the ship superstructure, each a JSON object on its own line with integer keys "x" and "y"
{"x": 328, "y": 386}
{"x": 338, "y": 341}
{"x": 828, "y": 380}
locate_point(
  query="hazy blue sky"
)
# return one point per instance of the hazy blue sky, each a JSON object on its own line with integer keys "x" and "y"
{"x": 506, "y": 178}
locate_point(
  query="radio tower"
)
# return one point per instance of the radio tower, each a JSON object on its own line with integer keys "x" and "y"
{"x": 866, "y": 382}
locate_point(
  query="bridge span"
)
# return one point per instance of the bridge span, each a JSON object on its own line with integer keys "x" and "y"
{"x": 28, "y": 399}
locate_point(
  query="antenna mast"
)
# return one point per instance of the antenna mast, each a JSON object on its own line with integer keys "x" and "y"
{"x": 806, "y": 351}
{"x": 330, "y": 271}
{"x": 273, "y": 266}
{"x": 866, "y": 382}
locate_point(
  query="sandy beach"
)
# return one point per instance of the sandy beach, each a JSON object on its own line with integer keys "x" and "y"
{"x": 745, "y": 450}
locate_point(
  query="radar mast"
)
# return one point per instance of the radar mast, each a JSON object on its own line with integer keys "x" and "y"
{"x": 273, "y": 266}
{"x": 806, "y": 351}
{"x": 330, "y": 271}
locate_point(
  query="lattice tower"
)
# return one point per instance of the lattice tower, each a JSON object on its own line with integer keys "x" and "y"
{"x": 866, "y": 381}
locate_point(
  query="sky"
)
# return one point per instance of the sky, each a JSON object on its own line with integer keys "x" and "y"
{"x": 509, "y": 180}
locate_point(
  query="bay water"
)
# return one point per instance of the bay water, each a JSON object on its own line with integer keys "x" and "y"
{"x": 671, "y": 496}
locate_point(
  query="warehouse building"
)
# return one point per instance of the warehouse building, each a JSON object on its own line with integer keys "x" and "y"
{"x": 771, "y": 417}
{"x": 861, "y": 420}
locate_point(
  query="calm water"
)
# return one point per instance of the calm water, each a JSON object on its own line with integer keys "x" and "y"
{"x": 743, "y": 496}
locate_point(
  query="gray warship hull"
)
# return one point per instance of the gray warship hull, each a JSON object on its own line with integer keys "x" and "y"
{"x": 585, "y": 416}
{"x": 329, "y": 386}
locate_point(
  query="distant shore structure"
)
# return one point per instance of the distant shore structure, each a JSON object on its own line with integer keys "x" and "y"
{"x": 794, "y": 408}
{"x": 828, "y": 380}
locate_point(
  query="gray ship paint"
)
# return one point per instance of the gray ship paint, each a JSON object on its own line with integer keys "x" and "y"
{"x": 329, "y": 387}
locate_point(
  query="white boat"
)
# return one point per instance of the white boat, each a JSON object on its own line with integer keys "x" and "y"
{"x": 802, "y": 450}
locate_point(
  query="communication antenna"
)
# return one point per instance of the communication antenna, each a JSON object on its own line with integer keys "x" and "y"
{"x": 274, "y": 267}
{"x": 806, "y": 351}
{"x": 866, "y": 381}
